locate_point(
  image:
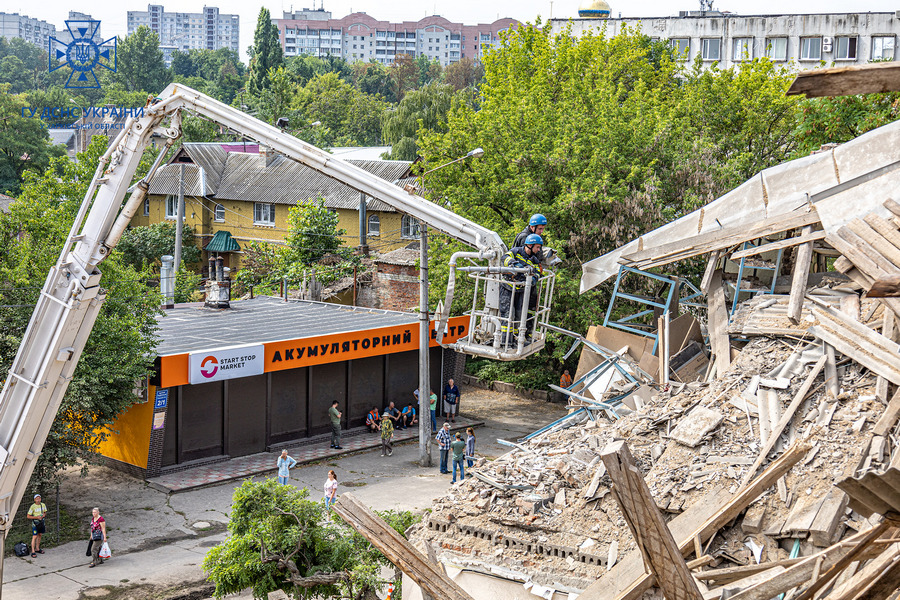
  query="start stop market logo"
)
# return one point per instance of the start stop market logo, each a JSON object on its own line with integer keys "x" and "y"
{"x": 227, "y": 363}
{"x": 83, "y": 54}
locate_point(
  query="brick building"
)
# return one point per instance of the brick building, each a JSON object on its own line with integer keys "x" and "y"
{"x": 395, "y": 284}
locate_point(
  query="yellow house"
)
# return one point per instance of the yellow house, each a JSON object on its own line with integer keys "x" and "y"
{"x": 248, "y": 194}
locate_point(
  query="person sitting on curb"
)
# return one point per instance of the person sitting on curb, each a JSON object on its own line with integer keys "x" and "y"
{"x": 394, "y": 415}
{"x": 373, "y": 420}
{"x": 408, "y": 416}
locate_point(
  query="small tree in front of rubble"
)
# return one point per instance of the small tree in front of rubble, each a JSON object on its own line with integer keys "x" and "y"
{"x": 280, "y": 539}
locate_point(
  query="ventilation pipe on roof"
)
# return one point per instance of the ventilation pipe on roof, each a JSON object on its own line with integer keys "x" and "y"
{"x": 218, "y": 289}
{"x": 269, "y": 153}
{"x": 167, "y": 281}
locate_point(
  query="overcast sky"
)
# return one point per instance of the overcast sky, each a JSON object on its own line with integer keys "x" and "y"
{"x": 113, "y": 15}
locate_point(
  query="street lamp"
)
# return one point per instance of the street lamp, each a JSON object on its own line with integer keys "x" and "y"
{"x": 424, "y": 328}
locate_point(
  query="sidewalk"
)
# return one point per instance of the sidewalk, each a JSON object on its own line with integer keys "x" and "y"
{"x": 307, "y": 451}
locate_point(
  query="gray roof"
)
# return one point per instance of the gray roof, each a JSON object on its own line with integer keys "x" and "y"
{"x": 400, "y": 256}
{"x": 245, "y": 176}
{"x": 5, "y": 201}
{"x": 264, "y": 319}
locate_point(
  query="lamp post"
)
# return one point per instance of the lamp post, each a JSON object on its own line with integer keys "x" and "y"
{"x": 425, "y": 329}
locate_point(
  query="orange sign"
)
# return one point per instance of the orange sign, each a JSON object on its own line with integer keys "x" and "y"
{"x": 318, "y": 350}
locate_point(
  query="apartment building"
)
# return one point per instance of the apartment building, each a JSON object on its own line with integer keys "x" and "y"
{"x": 14, "y": 25}
{"x": 182, "y": 31}
{"x": 359, "y": 36}
{"x": 801, "y": 41}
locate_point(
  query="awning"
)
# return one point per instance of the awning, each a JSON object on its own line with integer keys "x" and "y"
{"x": 222, "y": 242}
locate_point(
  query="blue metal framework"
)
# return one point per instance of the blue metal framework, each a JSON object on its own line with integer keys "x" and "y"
{"x": 675, "y": 286}
{"x": 742, "y": 266}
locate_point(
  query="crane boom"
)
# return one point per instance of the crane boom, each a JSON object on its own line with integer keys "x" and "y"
{"x": 71, "y": 297}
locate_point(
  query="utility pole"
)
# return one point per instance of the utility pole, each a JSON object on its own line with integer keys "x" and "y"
{"x": 179, "y": 221}
{"x": 424, "y": 348}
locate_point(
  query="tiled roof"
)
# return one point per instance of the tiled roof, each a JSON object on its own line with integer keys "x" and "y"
{"x": 5, "y": 201}
{"x": 245, "y": 176}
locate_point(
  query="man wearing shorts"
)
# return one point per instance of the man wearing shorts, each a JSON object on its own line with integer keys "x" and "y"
{"x": 36, "y": 514}
{"x": 451, "y": 401}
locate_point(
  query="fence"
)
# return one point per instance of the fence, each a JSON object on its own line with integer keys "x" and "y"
{"x": 21, "y": 527}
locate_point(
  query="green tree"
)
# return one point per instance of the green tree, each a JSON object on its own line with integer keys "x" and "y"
{"x": 842, "y": 118}
{"x": 352, "y": 117}
{"x": 24, "y": 143}
{"x": 313, "y": 232}
{"x": 429, "y": 70}
{"x": 277, "y": 99}
{"x": 373, "y": 78}
{"x": 463, "y": 73}
{"x": 425, "y": 108}
{"x": 119, "y": 350}
{"x": 280, "y": 539}
{"x": 139, "y": 62}
{"x": 144, "y": 246}
{"x": 404, "y": 75}
{"x": 266, "y": 52}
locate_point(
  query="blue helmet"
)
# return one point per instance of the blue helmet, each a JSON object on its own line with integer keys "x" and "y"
{"x": 537, "y": 219}
{"x": 534, "y": 238}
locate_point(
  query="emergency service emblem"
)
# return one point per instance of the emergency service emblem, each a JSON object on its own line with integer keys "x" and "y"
{"x": 83, "y": 54}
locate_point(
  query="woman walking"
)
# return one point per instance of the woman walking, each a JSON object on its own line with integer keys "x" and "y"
{"x": 470, "y": 447}
{"x": 285, "y": 463}
{"x": 98, "y": 536}
{"x": 330, "y": 489}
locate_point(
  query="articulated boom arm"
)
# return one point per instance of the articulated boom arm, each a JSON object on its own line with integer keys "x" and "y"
{"x": 71, "y": 297}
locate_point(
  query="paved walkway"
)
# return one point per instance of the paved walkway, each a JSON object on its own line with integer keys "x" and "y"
{"x": 307, "y": 451}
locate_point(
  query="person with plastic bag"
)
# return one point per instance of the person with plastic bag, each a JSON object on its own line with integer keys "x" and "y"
{"x": 97, "y": 539}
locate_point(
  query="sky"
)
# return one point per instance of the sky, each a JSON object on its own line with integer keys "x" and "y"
{"x": 113, "y": 15}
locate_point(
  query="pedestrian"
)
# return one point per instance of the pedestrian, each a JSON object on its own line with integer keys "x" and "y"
{"x": 373, "y": 419}
{"x": 443, "y": 440}
{"x": 98, "y": 536}
{"x": 394, "y": 415}
{"x": 565, "y": 380}
{"x": 335, "y": 415}
{"x": 285, "y": 463}
{"x": 470, "y": 447}
{"x": 36, "y": 514}
{"x": 451, "y": 401}
{"x": 459, "y": 451}
{"x": 330, "y": 489}
{"x": 433, "y": 408}
{"x": 387, "y": 436}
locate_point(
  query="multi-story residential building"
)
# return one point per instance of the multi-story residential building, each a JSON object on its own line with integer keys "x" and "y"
{"x": 181, "y": 31}
{"x": 361, "y": 37}
{"x": 801, "y": 41}
{"x": 14, "y": 25}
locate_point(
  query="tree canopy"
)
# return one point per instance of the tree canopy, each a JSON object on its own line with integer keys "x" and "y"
{"x": 266, "y": 52}
{"x": 139, "y": 62}
{"x": 280, "y": 539}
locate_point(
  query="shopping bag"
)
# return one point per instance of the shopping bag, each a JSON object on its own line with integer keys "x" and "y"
{"x": 104, "y": 550}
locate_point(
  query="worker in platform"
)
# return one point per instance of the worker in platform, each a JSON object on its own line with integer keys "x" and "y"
{"x": 536, "y": 224}
{"x": 526, "y": 256}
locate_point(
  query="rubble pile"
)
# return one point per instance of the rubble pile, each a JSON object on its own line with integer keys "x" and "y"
{"x": 764, "y": 435}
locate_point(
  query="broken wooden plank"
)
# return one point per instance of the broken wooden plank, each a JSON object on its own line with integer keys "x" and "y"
{"x": 717, "y": 240}
{"x": 628, "y": 579}
{"x": 888, "y": 418}
{"x": 808, "y": 236}
{"x": 711, "y": 265}
{"x": 591, "y": 489}
{"x": 798, "y": 399}
{"x": 800, "y": 573}
{"x": 888, "y": 330}
{"x": 653, "y": 537}
{"x": 874, "y": 239}
{"x": 824, "y": 526}
{"x": 397, "y": 549}
{"x": 871, "y": 78}
{"x": 799, "y": 277}
{"x": 732, "y": 574}
{"x": 801, "y": 517}
{"x": 852, "y": 338}
{"x": 717, "y": 317}
{"x": 753, "y": 518}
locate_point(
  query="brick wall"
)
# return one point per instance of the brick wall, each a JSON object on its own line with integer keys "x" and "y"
{"x": 396, "y": 287}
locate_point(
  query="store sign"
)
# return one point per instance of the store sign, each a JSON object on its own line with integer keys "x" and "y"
{"x": 162, "y": 399}
{"x": 228, "y": 363}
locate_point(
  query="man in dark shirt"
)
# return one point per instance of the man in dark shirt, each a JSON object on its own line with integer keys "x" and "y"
{"x": 335, "y": 416}
{"x": 536, "y": 224}
{"x": 451, "y": 400}
{"x": 394, "y": 415}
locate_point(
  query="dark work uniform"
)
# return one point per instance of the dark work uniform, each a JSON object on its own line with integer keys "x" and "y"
{"x": 518, "y": 258}
{"x": 520, "y": 239}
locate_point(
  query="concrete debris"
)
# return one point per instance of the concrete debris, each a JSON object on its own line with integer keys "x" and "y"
{"x": 811, "y": 371}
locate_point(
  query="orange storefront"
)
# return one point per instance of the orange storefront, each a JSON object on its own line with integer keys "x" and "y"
{"x": 225, "y": 400}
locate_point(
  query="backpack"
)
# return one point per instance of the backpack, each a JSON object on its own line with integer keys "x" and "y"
{"x": 20, "y": 549}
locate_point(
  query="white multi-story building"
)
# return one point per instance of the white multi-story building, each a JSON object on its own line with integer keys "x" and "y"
{"x": 207, "y": 30}
{"x": 359, "y": 37}
{"x": 14, "y": 25}
{"x": 800, "y": 41}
